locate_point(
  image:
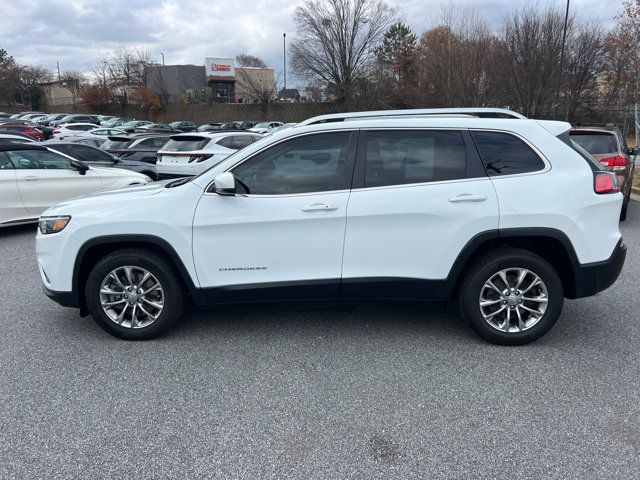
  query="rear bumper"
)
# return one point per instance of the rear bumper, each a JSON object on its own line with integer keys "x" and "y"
{"x": 596, "y": 277}
{"x": 66, "y": 299}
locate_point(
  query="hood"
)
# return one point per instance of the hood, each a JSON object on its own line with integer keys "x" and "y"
{"x": 106, "y": 172}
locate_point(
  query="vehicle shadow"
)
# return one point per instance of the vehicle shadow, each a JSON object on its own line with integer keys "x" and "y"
{"x": 13, "y": 232}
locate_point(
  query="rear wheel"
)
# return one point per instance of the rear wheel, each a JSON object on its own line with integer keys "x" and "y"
{"x": 134, "y": 294}
{"x": 511, "y": 297}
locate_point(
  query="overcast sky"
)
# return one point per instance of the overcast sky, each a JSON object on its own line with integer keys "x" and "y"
{"x": 77, "y": 32}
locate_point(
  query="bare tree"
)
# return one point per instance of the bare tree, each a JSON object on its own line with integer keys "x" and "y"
{"x": 247, "y": 60}
{"x": 335, "y": 41}
{"x": 257, "y": 84}
{"x": 532, "y": 43}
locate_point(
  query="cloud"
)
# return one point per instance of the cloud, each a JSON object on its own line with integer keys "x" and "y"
{"x": 77, "y": 32}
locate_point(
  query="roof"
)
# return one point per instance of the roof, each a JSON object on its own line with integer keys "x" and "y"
{"x": 23, "y": 146}
{"x": 214, "y": 134}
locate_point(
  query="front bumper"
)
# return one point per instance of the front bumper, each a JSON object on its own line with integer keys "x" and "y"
{"x": 596, "y": 277}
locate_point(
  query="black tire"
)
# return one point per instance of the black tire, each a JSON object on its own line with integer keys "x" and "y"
{"x": 158, "y": 266}
{"x": 484, "y": 268}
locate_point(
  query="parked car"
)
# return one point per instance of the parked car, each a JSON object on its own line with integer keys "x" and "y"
{"x": 115, "y": 122}
{"x": 235, "y": 126}
{"x": 34, "y": 117}
{"x": 32, "y": 178}
{"x": 105, "y": 118}
{"x": 508, "y": 216}
{"x": 608, "y": 146}
{"x": 102, "y": 132}
{"x": 75, "y": 119}
{"x": 184, "y": 126}
{"x": 6, "y": 138}
{"x": 158, "y": 128}
{"x": 265, "y": 127}
{"x": 192, "y": 153}
{"x": 209, "y": 127}
{"x": 44, "y": 121}
{"x": 282, "y": 127}
{"x": 137, "y": 146}
{"x": 130, "y": 127}
{"x": 93, "y": 142}
{"x": 94, "y": 156}
{"x": 72, "y": 129}
{"x": 4, "y": 115}
{"x": 29, "y": 130}
{"x": 17, "y": 116}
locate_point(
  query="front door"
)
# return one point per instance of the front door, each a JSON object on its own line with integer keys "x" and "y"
{"x": 45, "y": 178}
{"x": 281, "y": 236}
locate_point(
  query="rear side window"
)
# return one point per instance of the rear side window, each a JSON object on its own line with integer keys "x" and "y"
{"x": 404, "y": 157}
{"x": 241, "y": 141}
{"x": 505, "y": 154}
{"x": 595, "y": 143}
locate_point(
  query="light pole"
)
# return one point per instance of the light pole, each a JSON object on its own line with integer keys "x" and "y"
{"x": 564, "y": 37}
{"x": 161, "y": 53}
{"x": 284, "y": 59}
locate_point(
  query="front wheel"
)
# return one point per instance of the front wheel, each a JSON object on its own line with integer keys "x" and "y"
{"x": 134, "y": 294}
{"x": 511, "y": 297}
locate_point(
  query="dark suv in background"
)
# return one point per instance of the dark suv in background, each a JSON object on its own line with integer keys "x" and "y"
{"x": 138, "y": 146}
{"x": 609, "y": 147}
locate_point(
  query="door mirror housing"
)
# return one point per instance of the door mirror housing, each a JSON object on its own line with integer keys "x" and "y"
{"x": 80, "y": 167}
{"x": 225, "y": 184}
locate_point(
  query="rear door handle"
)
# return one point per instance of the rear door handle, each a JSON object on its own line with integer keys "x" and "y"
{"x": 319, "y": 207}
{"x": 467, "y": 197}
{"x": 31, "y": 179}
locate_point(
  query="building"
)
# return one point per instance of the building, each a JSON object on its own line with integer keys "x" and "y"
{"x": 255, "y": 85}
{"x": 56, "y": 94}
{"x": 220, "y": 73}
{"x": 171, "y": 82}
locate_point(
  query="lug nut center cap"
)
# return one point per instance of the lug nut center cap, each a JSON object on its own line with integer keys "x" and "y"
{"x": 512, "y": 300}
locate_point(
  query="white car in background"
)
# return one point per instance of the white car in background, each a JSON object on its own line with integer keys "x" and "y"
{"x": 188, "y": 154}
{"x": 33, "y": 178}
{"x": 69, "y": 129}
{"x": 265, "y": 127}
{"x": 102, "y": 132}
{"x": 8, "y": 139}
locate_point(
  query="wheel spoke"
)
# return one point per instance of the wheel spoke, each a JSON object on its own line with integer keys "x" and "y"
{"x": 114, "y": 302}
{"x": 507, "y": 321}
{"x": 153, "y": 304}
{"x": 491, "y": 285}
{"x": 536, "y": 299}
{"x": 535, "y": 282}
{"x": 503, "y": 276}
{"x": 521, "y": 325}
{"x": 108, "y": 291}
{"x": 535, "y": 312}
{"x": 120, "y": 317}
{"x": 114, "y": 275}
{"x": 486, "y": 303}
{"x": 127, "y": 272}
{"x": 521, "y": 277}
{"x": 149, "y": 316}
{"x": 134, "y": 322}
{"x": 151, "y": 289}
{"x": 491, "y": 315}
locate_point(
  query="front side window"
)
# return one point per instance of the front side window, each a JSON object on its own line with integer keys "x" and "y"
{"x": 39, "y": 159}
{"x": 413, "y": 156}
{"x": 87, "y": 154}
{"x": 505, "y": 154}
{"x": 312, "y": 163}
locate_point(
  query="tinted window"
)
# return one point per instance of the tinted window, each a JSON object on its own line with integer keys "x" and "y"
{"x": 505, "y": 154}
{"x": 226, "y": 142}
{"x": 5, "y": 163}
{"x": 185, "y": 144}
{"x": 39, "y": 159}
{"x": 313, "y": 163}
{"x": 87, "y": 154}
{"x": 595, "y": 143}
{"x": 241, "y": 141}
{"x": 402, "y": 157}
{"x": 116, "y": 144}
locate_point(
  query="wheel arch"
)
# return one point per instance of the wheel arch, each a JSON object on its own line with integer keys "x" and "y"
{"x": 92, "y": 250}
{"x": 549, "y": 243}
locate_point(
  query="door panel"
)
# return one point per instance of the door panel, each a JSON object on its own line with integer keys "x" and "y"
{"x": 11, "y": 206}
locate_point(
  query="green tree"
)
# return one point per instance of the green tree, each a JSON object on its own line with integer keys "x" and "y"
{"x": 398, "y": 51}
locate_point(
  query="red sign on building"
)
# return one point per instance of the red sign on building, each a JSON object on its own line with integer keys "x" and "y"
{"x": 219, "y": 67}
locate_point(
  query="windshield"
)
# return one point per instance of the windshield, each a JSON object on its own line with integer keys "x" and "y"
{"x": 262, "y": 125}
{"x": 595, "y": 143}
{"x": 185, "y": 144}
{"x": 116, "y": 144}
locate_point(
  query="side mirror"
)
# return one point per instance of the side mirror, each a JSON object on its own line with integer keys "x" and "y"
{"x": 80, "y": 167}
{"x": 225, "y": 184}
{"x": 634, "y": 151}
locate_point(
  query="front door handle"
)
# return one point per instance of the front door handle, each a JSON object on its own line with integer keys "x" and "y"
{"x": 319, "y": 207}
{"x": 467, "y": 197}
{"x": 31, "y": 179}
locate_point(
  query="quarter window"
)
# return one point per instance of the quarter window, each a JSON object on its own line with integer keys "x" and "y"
{"x": 414, "y": 156}
{"x": 505, "y": 154}
{"x": 312, "y": 163}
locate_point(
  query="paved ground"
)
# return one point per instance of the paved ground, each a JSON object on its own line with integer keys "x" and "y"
{"x": 317, "y": 391}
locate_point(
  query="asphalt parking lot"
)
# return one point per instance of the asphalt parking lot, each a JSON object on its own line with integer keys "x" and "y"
{"x": 385, "y": 390}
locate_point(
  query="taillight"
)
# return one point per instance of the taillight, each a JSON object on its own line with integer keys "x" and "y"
{"x": 615, "y": 163}
{"x": 605, "y": 182}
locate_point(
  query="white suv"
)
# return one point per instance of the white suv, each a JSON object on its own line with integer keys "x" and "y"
{"x": 507, "y": 216}
{"x": 189, "y": 154}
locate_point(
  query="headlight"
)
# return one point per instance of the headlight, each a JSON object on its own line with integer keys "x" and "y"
{"x": 49, "y": 225}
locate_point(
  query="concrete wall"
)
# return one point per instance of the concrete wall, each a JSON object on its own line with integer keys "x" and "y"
{"x": 171, "y": 81}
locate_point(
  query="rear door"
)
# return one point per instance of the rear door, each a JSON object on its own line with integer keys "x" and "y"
{"x": 45, "y": 178}
{"x": 419, "y": 197}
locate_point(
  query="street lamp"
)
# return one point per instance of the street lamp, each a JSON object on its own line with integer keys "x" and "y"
{"x": 284, "y": 59}
{"x": 564, "y": 37}
{"x": 161, "y": 53}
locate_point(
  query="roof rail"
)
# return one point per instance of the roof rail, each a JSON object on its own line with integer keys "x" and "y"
{"x": 483, "y": 112}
